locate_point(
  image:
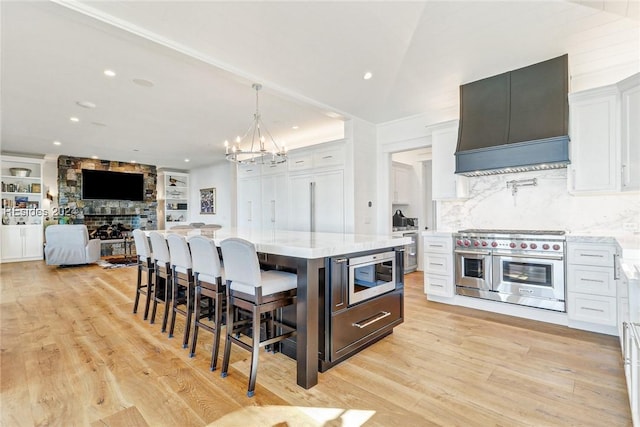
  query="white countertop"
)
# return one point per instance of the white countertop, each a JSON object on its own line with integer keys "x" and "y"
{"x": 301, "y": 244}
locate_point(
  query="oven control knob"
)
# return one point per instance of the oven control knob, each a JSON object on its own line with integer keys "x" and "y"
{"x": 459, "y": 242}
{"x": 467, "y": 243}
{"x": 556, "y": 247}
{"x": 545, "y": 246}
{"x": 484, "y": 243}
{"x": 494, "y": 244}
{"x": 533, "y": 246}
{"x": 476, "y": 243}
{"x": 512, "y": 245}
{"x": 523, "y": 245}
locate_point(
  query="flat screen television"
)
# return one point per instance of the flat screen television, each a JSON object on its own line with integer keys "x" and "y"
{"x": 107, "y": 185}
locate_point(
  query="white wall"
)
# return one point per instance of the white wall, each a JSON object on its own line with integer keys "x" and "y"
{"x": 221, "y": 176}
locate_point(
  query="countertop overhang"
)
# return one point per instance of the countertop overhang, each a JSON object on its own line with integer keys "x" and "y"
{"x": 300, "y": 244}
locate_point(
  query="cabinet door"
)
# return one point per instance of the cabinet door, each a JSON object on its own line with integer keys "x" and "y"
{"x": 275, "y": 207}
{"x": 629, "y": 138}
{"x": 401, "y": 185}
{"x": 300, "y": 202}
{"x": 329, "y": 202}
{"x": 593, "y": 143}
{"x": 249, "y": 203}
{"x": 32, "y": 238}
{"x": 446, "y": 184}
{"x": 12, "y": 243}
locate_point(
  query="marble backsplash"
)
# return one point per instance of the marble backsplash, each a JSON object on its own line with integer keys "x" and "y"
{"x": 547, "y": 206}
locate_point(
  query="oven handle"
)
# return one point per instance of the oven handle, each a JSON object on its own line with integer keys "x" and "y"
{"x": 472, "y": 252}
{"x": 549, "y": 257}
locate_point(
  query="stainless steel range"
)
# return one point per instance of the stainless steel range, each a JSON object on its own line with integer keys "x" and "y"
{"x": 523, "y": 267}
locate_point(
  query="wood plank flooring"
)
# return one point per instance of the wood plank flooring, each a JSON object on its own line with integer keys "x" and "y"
{"x": 73, "y": 354}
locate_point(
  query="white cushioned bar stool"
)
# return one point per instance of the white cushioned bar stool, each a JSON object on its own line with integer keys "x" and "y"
{"x": 183, "y": 285}
{"x": 260, "y": 293}
{"x": 163, "y": 280}
{"x": 146, "y": 264}
{"x": 209, "y": 283}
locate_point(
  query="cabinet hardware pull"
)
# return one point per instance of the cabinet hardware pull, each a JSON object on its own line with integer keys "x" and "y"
{"x": 436, "y": 246}
{"x": 435, "y": 263}
{"x": 327, "y": 157}
{"x": 340, "y": 260}
{"x": 591, "y": 280}
{"x": 299, "y": 161}
{"x": 592, "y": 309}
{"x": 616, "y": 269}
{"x": 592, "y": 255}
{"x": 473, "y": 253}
{"x": 371, "y": 320}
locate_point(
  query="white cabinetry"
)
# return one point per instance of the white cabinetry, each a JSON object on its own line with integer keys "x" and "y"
{"x": 401, "y": 178}
{"x": 262, "y": 197}
{"x": 605, "y": 154}
{"x": 438, "y": 266}
{"x": 446, "y": 185}
{"x": 316, "y": 201}
{"x": 173, "y": 199}
{"x": 592, "y": 273}
{"x": 22, "y": 209}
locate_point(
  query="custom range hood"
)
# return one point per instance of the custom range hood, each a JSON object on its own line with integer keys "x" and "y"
{"x": 515, "y": 121}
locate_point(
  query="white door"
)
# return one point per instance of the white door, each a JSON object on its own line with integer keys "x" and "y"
{"x": 329, "y": 202}
{"x": 275, "y": 205}
{"x": 249, "y": 201}
{"x": 300, "y": 202}
{"x": 11, "y": 242}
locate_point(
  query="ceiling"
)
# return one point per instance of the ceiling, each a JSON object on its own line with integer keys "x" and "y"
{"x": 202, "y": 57}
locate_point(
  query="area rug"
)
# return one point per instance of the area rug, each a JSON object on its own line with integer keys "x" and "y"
{"x": 116, "y": 263}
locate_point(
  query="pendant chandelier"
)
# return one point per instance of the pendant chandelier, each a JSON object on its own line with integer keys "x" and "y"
{"x": 256, "y": 151}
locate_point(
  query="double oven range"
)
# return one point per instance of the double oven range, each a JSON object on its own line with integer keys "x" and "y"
{"x": 524, "y": 267}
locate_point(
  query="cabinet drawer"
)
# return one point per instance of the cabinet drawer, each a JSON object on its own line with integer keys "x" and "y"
{"x": 300, "y": 161}
{"x": 591, "y": 280}
{"x": 591, "y": 254}
{"x": 592, "y": 308}
{"x": 328, "y": 157}
{"x": 438, "y": 285}
{"x": 248, "y": 170}
{"x": 438, "y": 263}
{"x": 269, "y": 169}
{"x": 438, "y": 244}
{"x": 351, "y": 327}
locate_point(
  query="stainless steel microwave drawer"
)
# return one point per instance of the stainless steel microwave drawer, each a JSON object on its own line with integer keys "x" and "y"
{"x": 356, "y": 326}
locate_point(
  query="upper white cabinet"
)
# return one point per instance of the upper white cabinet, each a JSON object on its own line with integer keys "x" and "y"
{"x": 630, "y": 135}
{"x": 173, "y": 199}
{"x": 22, "y": 209}
{"x": 446, "y": 185}
{"x": 605, "y": 144}
{"x": 401, "y": 179}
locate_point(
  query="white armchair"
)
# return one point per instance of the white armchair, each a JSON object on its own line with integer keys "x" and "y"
{"x": 70, "y": 245}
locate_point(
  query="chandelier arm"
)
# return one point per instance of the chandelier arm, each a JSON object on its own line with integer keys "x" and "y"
{"x": 270, "y": 137}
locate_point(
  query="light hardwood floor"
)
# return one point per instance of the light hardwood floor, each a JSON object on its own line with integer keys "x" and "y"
{"x": 73, "y": 354}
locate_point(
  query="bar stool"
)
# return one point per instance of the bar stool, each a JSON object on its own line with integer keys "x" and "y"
{"x": 209, "y": 282}
{"x": 146, "y": 264}
{"x": 181, "y": 266}
{"x": 258, "y": 292}
{"x": 162, "y": 259}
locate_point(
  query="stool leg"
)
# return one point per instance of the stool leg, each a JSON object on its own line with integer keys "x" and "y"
{"x": 194, "y": 337}
{"x": 138, "y": 282}
{"x": 216, "y": 336}
{"x": 149, "y": 292}
{"x": 168, "y": 290}
{"x": 254, "y": 353}
{"x": 187, "y": 326}
{"x": 229, "y": 332}
{"x": 174, "y": 306}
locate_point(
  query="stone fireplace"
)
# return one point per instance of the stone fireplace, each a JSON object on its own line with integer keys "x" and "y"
{"x": 96, "y": 213}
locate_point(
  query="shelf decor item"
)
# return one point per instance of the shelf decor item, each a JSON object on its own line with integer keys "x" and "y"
{"x": 208, "y": 201}
{"x": 21, "y": 172}
{"x": 36, "y": 188}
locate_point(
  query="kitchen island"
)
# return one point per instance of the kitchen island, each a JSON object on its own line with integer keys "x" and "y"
{"x": 308, "y": 254}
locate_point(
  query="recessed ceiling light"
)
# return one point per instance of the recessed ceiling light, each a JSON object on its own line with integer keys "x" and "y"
{"x": 109, "y": 73}
{"x": 186, "y": 160}
{"x": 295, "y": 127}
{"x": 367, "y": 75}
{"x": 143, "y": 82}
{"x": 57, "y": 143}
{"x": 74, "y": 119}
{"x": 135, "y": 149}
{"x": 86, "y": 104}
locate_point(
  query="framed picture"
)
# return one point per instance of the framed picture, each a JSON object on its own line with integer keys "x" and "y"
{"x": 207, "y": 200}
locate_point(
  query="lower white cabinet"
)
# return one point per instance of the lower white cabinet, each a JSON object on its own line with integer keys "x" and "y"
{"x": 249, "y": 203}
{"x": 275, "y": 202}
{"x": 22, "y": 243}
{"x": 592, "y": 285}
{"x": 438, "y": 266}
